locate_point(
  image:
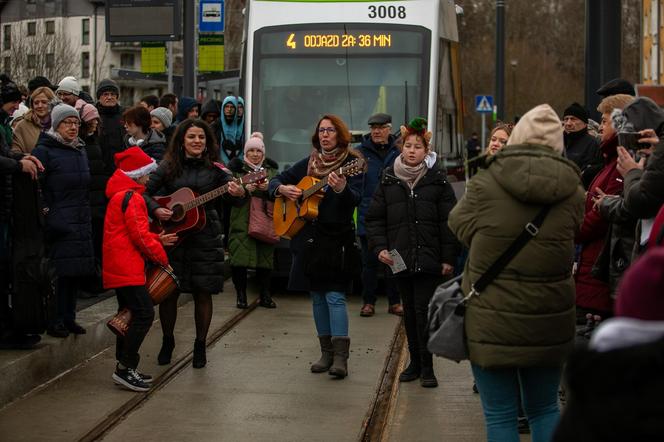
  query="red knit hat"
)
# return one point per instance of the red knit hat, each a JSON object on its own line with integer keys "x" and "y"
{"x": 641, "y": 291}
{"x": 134, "y": 162}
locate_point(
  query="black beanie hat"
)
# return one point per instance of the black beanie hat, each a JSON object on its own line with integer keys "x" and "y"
{"x": 38, "y": 82}
{"x": 9, "y": 92}
{"x": 107, "y": 85}
{"x": 578, "y": 111}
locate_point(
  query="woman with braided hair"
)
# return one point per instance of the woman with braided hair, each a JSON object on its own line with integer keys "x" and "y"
{"x": 332, "y": 234}
{"x": 409, "y": 214}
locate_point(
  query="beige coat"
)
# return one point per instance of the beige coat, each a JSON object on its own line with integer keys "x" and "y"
{"x": 26, "y": 134}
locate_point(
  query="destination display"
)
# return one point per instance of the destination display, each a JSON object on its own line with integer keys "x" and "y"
{"x": 341, "y": 40}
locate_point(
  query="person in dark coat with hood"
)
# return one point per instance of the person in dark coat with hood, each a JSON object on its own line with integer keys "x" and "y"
{"x": 112, "y": 131}
{"x": 191, "y": 161}
{"x": 594, "y": 295}
{"x": 409, "y": 214}
{"x": 68, "y": 235}
{"x": 379, "y": 151}
{"x": 580, "y": 146}
{"x": 210, "y": 112}
{"x": 320, "y": 263}
{"x": 187, "y": 108}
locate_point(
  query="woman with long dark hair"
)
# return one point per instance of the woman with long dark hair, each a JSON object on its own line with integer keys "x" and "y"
{"x": 191, "y": 161}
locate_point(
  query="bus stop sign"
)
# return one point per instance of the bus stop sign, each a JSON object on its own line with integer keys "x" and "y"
{"x": 484, "y": 104}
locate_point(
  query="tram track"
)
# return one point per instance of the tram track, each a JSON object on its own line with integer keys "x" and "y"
{"x": 122, "y": 412}
{"x": 381, "y": 408}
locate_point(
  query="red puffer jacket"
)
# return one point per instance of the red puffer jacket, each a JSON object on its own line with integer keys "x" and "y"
{"x": 591, "y": 293}
{"x": 128, "y": 241}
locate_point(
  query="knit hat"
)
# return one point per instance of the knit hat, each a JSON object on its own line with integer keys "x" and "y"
{"x": 164, "y": 115}
{"x": 87, "y": 111}
{"x": 107, "y": 85}
{"x": 9, "y": 93}
{"x": 18, "y": 113}
{"x": 69, "y": 84}
{"x": 255, "y": 141}
{"x": 61, "y": 111}
{"x": 134, "y": 162}
{"x": 615, "y": 87}
{"x": 38, "y": 82}
{"x": 578, "y": 111}
{"x": 641, "y": 291}
{"x": 540, "y": 125}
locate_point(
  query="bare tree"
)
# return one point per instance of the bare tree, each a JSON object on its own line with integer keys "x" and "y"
{"x": 49, "y": 55}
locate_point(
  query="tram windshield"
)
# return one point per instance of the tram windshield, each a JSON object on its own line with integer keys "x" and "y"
{"x": 302, "y": 72}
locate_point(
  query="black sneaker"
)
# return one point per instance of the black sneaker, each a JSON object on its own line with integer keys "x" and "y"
{"x": 130, "y": 379}
{"x": 74, "y": 328}
{"x": 58, "y": 331}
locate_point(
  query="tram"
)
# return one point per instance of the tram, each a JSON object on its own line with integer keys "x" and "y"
{"x": 353, "y": 58}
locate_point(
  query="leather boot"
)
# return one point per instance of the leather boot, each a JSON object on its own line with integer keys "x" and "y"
{"x": 326, "y": 355}
{"x": 412, "y": 372}
{"x": 427, "y": 377}
{"x": 242, "y": 299}
{"x": 339, "y": 368}
{"x": 266, "y": 300}
{"x": 166, "y": 352}
{"x": 200, "y": 359}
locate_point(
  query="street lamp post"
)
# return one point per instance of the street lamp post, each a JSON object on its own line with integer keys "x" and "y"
{"x": 514, "y": 64}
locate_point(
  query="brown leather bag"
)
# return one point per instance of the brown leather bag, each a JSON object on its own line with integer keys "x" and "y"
{"x": 261, "y": 225}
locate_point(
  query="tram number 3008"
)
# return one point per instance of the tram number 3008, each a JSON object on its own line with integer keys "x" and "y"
{"x": 383, "y": 11}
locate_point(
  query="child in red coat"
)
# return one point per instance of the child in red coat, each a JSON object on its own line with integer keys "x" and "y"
{"x": 128, "y": 243}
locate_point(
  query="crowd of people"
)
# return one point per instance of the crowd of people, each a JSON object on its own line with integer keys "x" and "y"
{"x": 80, "y": 181}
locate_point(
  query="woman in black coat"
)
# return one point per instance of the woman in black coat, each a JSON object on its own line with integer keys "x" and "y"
{"x": 68, "y": 232}
{"x": 324, "y": 251}
{"x": 191, "y": 161}
{"x": 409, "y": 214}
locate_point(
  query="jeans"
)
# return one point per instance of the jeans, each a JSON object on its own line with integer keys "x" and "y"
{"x": 370, "y": 271}
{"x": 416, "y": 292}
{"x": 137, "y": 300}
{"x": 330, "y": 313}
{"x": 500, "y": 401}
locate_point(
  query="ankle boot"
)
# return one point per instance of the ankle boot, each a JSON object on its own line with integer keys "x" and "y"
{"x": 427, "y": 377}
{"x": 412, "y": 372}
{"x": 339, "y": 368}
{"x": 200, "y": 359}
{"x": 266, "y": 300}
{"x": 242, "y": 299}
{"x": 166, "y": 352}
{"x": 327, "y": 355}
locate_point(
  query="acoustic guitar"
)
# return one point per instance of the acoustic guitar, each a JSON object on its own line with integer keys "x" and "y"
{"x": 187, "y": 206}
{"x": 290, "y": 216}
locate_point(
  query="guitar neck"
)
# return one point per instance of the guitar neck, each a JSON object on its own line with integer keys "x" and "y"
{"x": 206, "y": 197}
{"x": 315, "y": 188}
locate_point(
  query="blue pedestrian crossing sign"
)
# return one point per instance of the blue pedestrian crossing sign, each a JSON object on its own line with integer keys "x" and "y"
{"x": 484, "y": 104}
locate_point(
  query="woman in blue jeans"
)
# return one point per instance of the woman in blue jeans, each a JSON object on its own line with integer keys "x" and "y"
{"x": 324, "y": 255}
{"x": 520, "y": 329}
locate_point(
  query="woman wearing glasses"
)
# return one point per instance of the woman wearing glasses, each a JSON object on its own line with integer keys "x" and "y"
{"x": 68, "y": 231}
{"x": 323, "y": 251}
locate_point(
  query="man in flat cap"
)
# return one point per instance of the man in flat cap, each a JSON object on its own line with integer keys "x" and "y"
{"x": 380, "y": 152}
{"x": 580, "y": 146}
{"x": 615, "y": 87}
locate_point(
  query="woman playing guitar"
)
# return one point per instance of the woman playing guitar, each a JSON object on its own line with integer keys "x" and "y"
{"x": 190, "y": 161}
{"x": 319, "y": 264}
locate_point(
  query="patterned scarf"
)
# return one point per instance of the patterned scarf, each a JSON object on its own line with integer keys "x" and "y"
{"x": 409, "y": 174}
{"x": 321, "y": 163}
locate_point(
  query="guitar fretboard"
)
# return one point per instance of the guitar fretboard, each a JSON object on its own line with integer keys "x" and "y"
{"x": 206, "y": 197}
{"x": 322, "y": 183}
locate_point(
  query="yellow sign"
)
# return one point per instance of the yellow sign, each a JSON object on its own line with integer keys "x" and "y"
{"x": 340, "y": 41}
{"x": 153, "y": 59}
{"x": 211, "y": 53}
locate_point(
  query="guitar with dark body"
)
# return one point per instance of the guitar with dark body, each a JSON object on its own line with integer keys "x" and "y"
{"x": 187, "y": 206}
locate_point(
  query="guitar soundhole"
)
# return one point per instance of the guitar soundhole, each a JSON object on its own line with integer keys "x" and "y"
{"x": 178, "y": 213}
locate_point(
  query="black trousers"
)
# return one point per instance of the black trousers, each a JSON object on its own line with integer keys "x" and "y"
{"x": 137, "y": 300}
{"x": 239, "y": 275}
{"x": 416, "y": 292}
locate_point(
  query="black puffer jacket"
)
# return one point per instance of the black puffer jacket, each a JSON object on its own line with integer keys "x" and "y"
{"x": 583, "y": 149}
{"x": 65, "y": 188}
{"x": 8, "y": 166}
{"x": 111, "y": 134}
{"x": 413, "y": 221}
{"x": 98, "y": 177}
{"x": 198, "y": 260}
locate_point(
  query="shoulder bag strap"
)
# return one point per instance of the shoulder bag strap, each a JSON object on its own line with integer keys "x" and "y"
{"x": 125, "y": 200}
{"x": 530, "y": 231}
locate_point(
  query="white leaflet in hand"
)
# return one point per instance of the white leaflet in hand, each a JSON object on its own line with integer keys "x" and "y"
{"x": 398, "y": 264}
